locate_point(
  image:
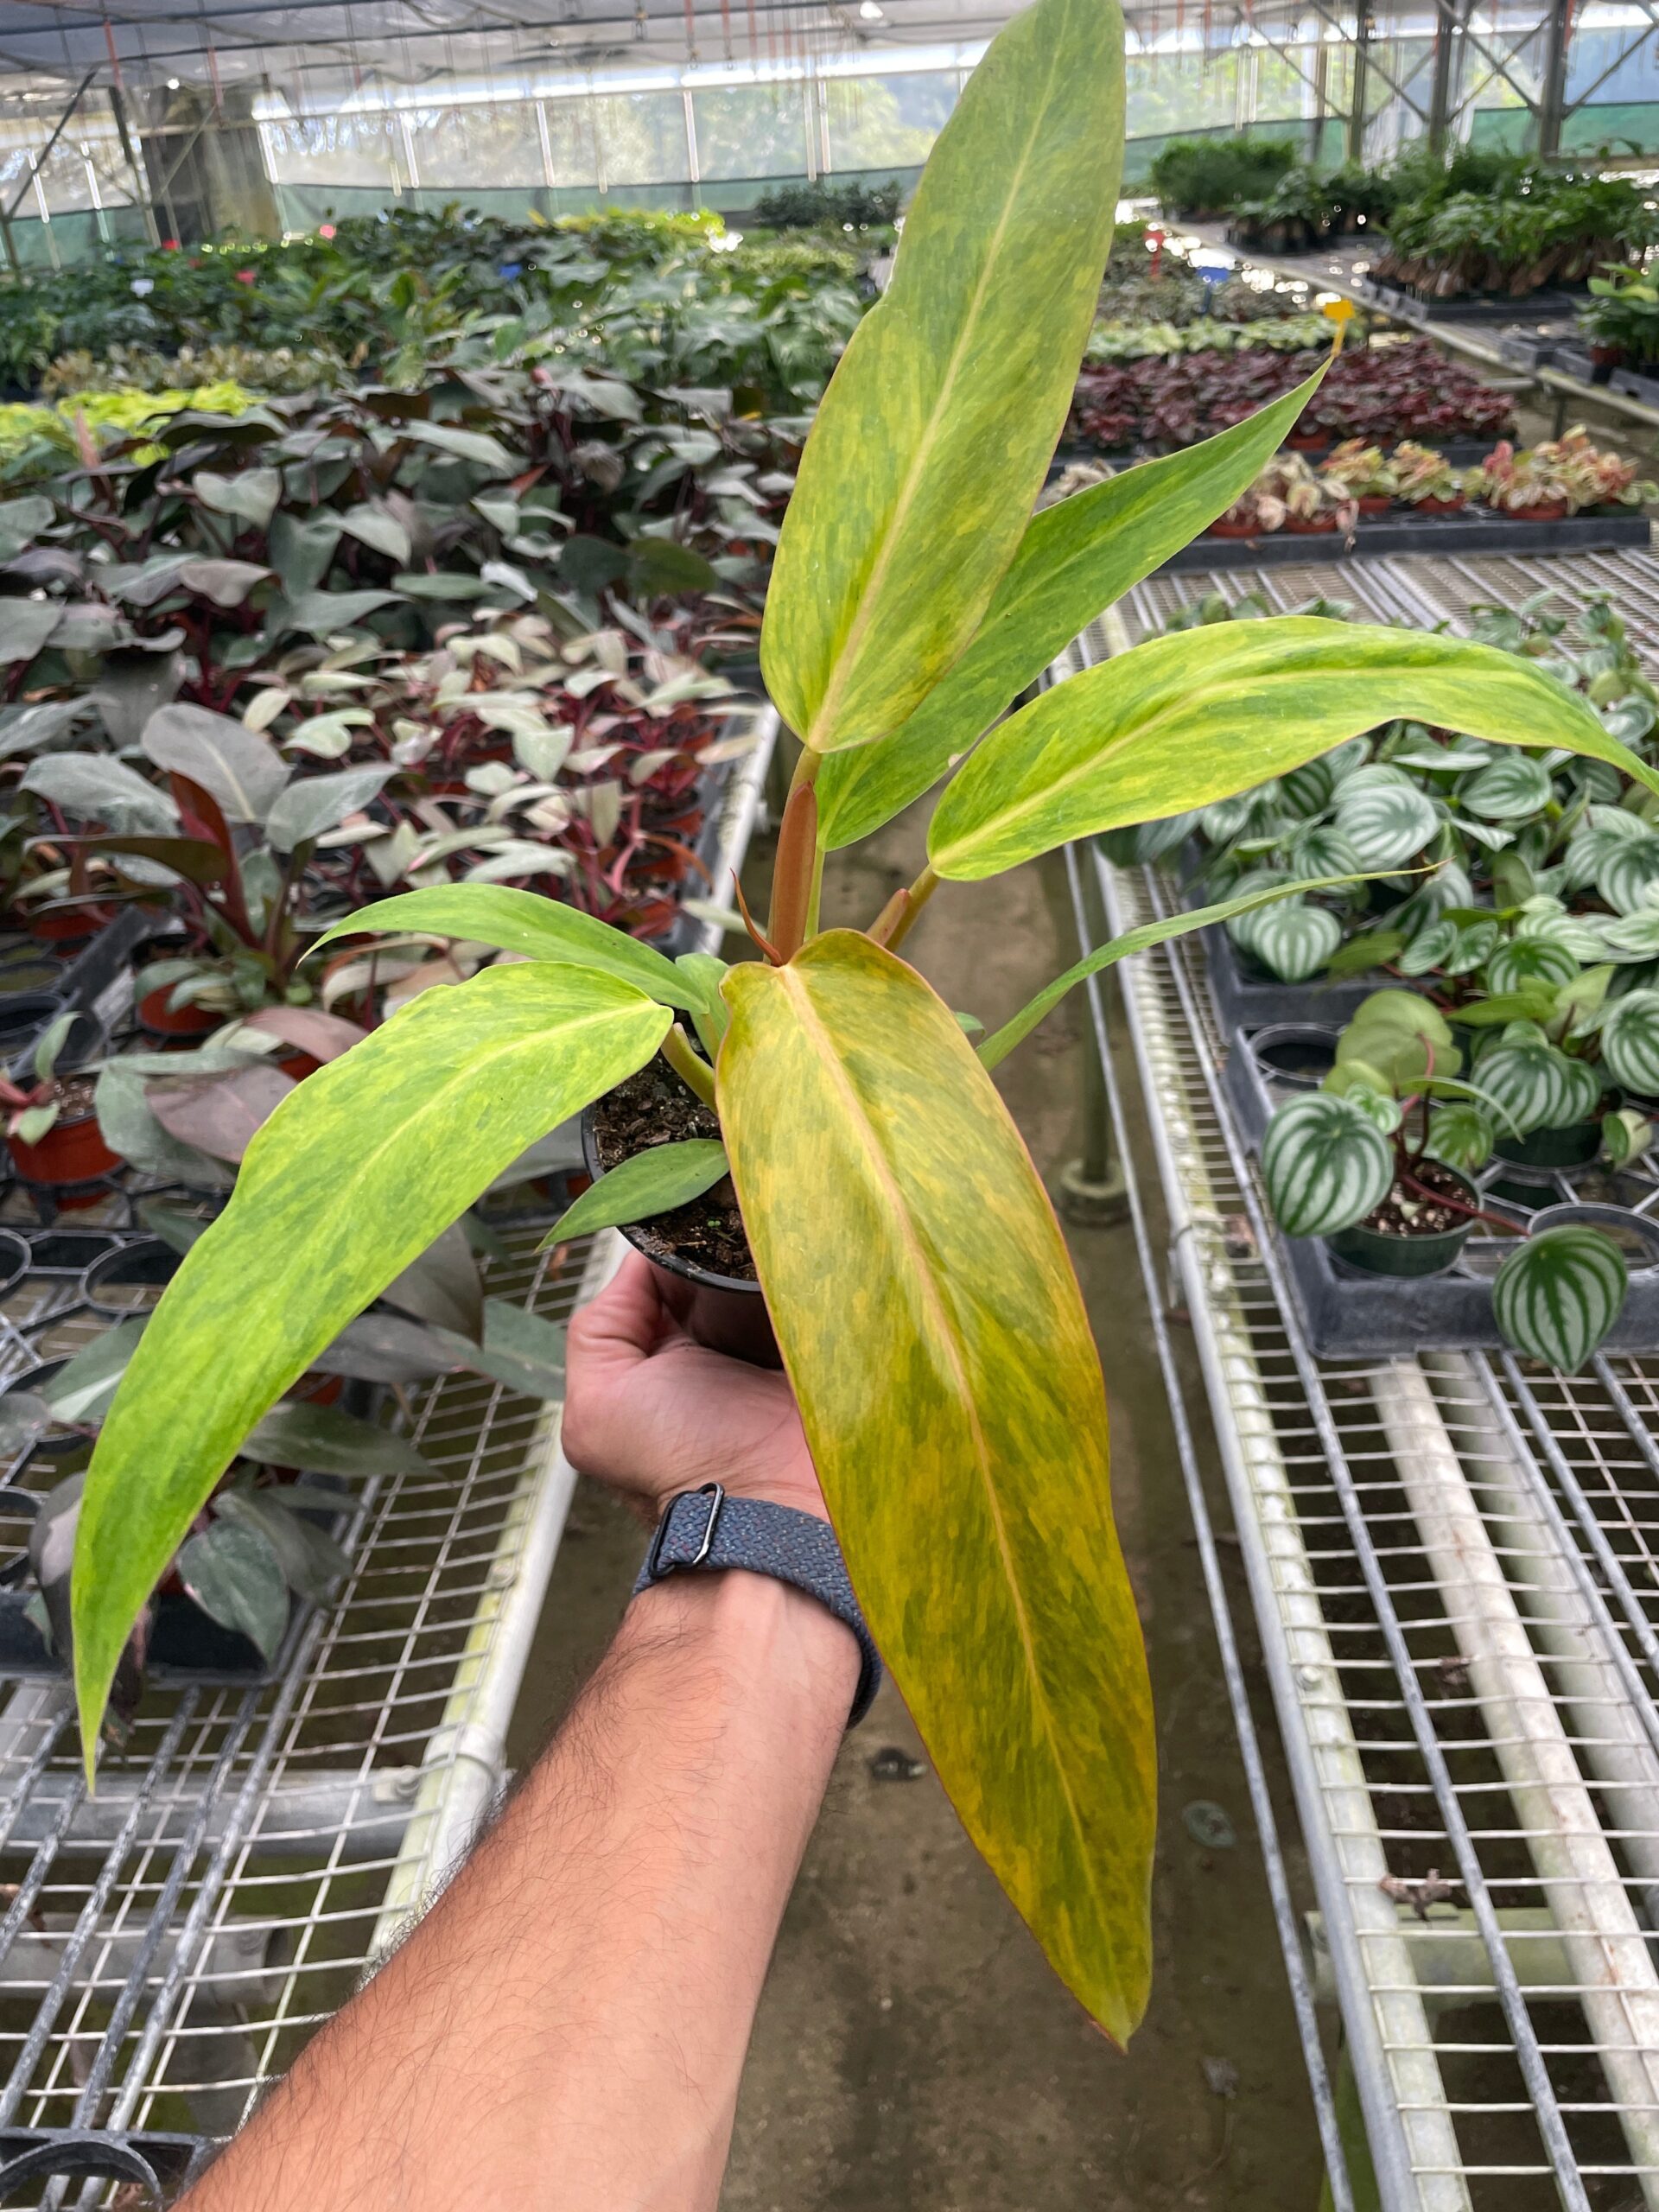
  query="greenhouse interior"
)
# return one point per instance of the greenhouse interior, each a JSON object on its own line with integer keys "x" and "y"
{"x": 908, "y": 1179}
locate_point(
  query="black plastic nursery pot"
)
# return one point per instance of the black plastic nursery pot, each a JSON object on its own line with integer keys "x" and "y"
{"x": 1293, "y": 1056}
{"x": 1378, "y": 1254}
{"x": 1573, "y": 1147}
{"x": 724, "y": 1313}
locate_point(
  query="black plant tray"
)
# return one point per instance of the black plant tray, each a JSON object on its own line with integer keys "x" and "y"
{"x": 1246, "y": 1000}
{"x": 1475, "y": 307}
{"x": 1473, "y": 529}
{"x": 1576, "y": 361}
{"x": 1635, "y": 385}
{"x": 1347, "y": 1312}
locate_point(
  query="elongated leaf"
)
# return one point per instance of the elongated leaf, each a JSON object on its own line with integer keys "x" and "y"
{"x": 997, "y": 1046}
{"x": 933, "y": 437}
{"x": 521, "y": 921}
{"x": 99, "y": 789}
{"x": 650, "y": 1183}
{"x": 310, "y": 1560}
{"x": 1075, "y": 559}
{"x": 234, "y": 1575}
{"x": 1186, "y": 720}
{"x": 931, "y": 1323}
{"x": 81, "y": 1390}
{"x": 357, "y": 1172}
{"x": 1325, "y": 1164}
{"x": 1557, "y": 1296}
{"x": 242, "y": 770}
{"x": 325, "y": 1442}
{"x": 312, "y": 804}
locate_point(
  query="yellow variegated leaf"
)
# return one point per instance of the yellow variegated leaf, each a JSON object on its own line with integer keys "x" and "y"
{"x": 355, "y": 1173}
{"x": 1186, "y": 720}
{"x": 932, "y": 1324}
{"x": 918, "y": 481}
{"x": 1075, "y": 558}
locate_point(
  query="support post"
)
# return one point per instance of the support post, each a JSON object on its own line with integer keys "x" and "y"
{"x": 1362, "y": 31}
{"x": 1448, "y": 45}
{"x": 1321, "y": 94}
{"x": 1093, "y": 1190}
{"x": 1551, "y": 104}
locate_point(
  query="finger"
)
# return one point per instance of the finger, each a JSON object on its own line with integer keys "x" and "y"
{"x": 623, "y": 1324}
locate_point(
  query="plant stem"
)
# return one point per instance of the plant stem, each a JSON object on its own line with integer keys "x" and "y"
{"x": 916, "y": 898}
{"x": 793, "y": 872}
{"x": 1457, "y": 1205}
{"x": 691, "y": 1066}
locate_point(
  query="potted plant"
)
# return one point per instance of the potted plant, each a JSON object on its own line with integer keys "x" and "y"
{"x": 1426, "y": 481}
{"x": 1560, "y": 477}
{"x": 52, "y": 1130}
{"x": 942, "y": 1362}
{"x": 1363, "y": 473}
{"x": 1377, "y": 1162}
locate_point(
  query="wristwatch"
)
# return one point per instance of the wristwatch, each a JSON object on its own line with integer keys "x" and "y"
{"x": 708, "y": 1530}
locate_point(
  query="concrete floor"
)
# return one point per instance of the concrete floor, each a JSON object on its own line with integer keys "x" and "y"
{"x": 913, "y": 2053}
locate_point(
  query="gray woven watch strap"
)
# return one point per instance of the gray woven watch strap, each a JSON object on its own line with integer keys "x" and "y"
{"x": 707, "y": 1529}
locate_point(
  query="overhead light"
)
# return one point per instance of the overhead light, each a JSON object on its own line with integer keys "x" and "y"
{"x": 871, "y": 11}
{"x": 172, "y": 84}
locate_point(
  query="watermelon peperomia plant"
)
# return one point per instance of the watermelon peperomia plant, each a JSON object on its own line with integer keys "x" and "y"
{"x": 918, "y": 1282}
{"x": 1399, "y": 1123}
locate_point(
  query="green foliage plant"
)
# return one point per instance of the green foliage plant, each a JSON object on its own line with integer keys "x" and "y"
{"x": 950, "y": 1389}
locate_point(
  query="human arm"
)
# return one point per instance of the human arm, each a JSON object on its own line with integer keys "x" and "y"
{"x": 567, "y": 2026}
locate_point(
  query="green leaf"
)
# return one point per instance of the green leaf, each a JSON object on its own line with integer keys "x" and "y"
{"x": 649, "y": 1183}
{"x": 311, "y": 804}
{"x": 1629, "y": 1042}
{"x": 1557, "y": 1296}
{"x": 234, "y": 1575}
{"x": 1625, "y": 1135}
{"x": 1461, "y": 1135}
{"x": 1386, "y": 824}
{"x": 932, "y": 441}
{"x": 522, "y": 921}
{"x": 521, "y": 1348}
{"x": 252, "y": 497}
{"x": 81, "y": 1390}
{"x": 933, "y": 1330}
{"x": 1325, "y": 1163}
{"x": 320, "y": 613}
{"x": 1507, "y": 790}
{"x": 310, "y": 1560}
{"x": 1628, "y": 871}
{"x": 1294, "y": 942}
{"x": 25, "y": 625}
{"x": 1075, "y": 558}
{"x": 237, "y": 766}
{"x": 1537, "y": 1086}
{"x": 997, "y": 1046}
{"x": 325, "y": 1442}
{"x": 376, "y": 527}
{"x": 355, "y": 1173}
{"x": 1187, "y": 719}
{"x": 1527, "y": 960}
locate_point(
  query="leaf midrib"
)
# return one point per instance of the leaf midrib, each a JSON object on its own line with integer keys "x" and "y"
{"x": 862, "y": 613}
{"x": 887, "y": 1186}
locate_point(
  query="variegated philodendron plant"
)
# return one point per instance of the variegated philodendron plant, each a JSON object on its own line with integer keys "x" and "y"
{"x": 918, "y": 1286}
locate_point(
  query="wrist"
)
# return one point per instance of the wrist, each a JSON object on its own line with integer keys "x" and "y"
{"x": 774, "y": 1640}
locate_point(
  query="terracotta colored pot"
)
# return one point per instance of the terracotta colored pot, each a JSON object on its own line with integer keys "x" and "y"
{"x": 1234, "y": 529}
{"x": 71, "y": 1151}
{"x": 298, "y": 1065}
{"x": 1308, "y": 442}
{"x": 1441, "y": 506}
{"x": 70, "y": 925}
{"x": 162, "y": 1020}
{"x": 1374, "y": 503}
{"x": 1552, "y": 510}
{"x": 1310, "y": 525}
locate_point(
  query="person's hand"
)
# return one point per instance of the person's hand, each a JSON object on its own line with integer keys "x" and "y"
{"x": 650, "y": 1412}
